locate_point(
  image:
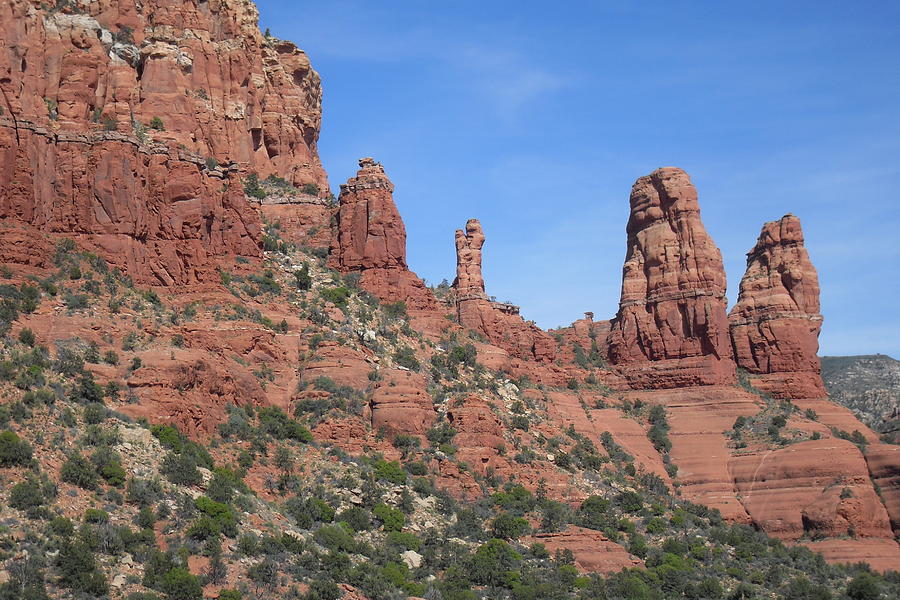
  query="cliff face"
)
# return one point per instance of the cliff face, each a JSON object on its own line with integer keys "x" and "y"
{"x": 775, "y": 323}
{"x": 672, "y": 309}
{"x": 369, "y": 238}
{"x": 129, "y": 127}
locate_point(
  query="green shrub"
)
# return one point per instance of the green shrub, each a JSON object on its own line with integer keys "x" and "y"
{"x": 303, "y": 278}
{"x": 95, "y": 413}
{"x": 181, "y": 469}
{"x": 180, "y": 584}
{"x": 492, "y": 561}
{"x": 78, "y": 569}
{"x": 26, "y": 495}
{"x": 391, "y": 518}
{"x": 335, "y": 538}
{"x": 336, "y": 295}
{"x": 405, "y": 442}
{"x": 441, "y": 434}
{"x": 396, "y": 310}
{"x": 629, "y": 501}
{"x": 143, "y": 492}
{"x": 276, "y": 423}
{"x": 13, "y": 451}
{"x": 389, "y": 471}
{"x": 203, "y": 529}
{"x": 356, "y": 517}
{"x": 79, "y": 471}
{"x": 594, "y": 512}
{"x": 507, "y": 527}
{"x": 26, "y": 336}
{"x": 95, "y": 515}
{"x": 406, "y": 357}
{"x": 416, "y": 468}
{"x": 864, "y": 586}
{"x": 252, "y": 187}
{"x": 405, "y": 540}
{"x": 222, "y": 514}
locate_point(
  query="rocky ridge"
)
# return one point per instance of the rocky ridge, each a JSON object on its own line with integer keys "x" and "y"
{"x": 867, "y": 385}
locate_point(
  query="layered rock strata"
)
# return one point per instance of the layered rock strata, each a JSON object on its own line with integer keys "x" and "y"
{"x": 369, "y": 238}
{"x": 671, "y": 329}
{"x": 130, "y": 126}
{"x": 775, "y": 323}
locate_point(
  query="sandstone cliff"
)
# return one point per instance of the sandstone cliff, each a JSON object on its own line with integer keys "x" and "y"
{"x": 671, "y": 329}
{"x": 130, "y": 126}
{"x": 775, "y": 323}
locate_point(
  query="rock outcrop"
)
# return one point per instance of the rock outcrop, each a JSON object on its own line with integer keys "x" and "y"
{"x": 813, "y": 487}
{"x": 775, "y": 323}
{"x": 593, "y": 551}
{"x": 499, "y": 322}
{"x": 369, "y": 238}
{"x": 129, "y": 127}
{"x": 671, "y": 329}
{"x": 400, "y": 404}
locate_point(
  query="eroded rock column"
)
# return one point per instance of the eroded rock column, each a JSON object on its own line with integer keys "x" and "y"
{"x": 369, "y": 238}
{"x": 671, "y": 329}
{"x": 776, "y": 322}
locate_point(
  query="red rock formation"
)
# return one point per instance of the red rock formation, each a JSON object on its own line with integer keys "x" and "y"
{"x": 808, "y": 487}
{"x": 370, "y": 239}
{"x": 593, "y": 551}
{"x": 190, "y": 389}
{"x": 497, "y": 321}
{"x": 883, "y": 461}
{"x": 400, "y": 404}
{"x": 469, "y": 281}
{"x": 699, "y": 418}
{"x": 117, "y": 115}
{"x": 302, "y": 221}
{"x": 340, "y": 363}
{"x": 775, "y": 323}
{"x": 671, "y": 329}
{"x": 476, "y": 424}
{"x": 588, "y": 335}
{"x": 881, "y": 554}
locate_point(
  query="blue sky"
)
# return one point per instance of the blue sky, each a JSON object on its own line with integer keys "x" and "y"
{"x": 537, "y": 121}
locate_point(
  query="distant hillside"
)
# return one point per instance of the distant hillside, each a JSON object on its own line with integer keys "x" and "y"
{"x": 869, "y": 385}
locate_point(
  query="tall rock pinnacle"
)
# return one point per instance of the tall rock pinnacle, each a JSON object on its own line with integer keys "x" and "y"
{"x": 369, "y": 238}
{"x": 776, "y": 322}
{"x": 498, "y": 322}
{"x": 469, "y": 281}
{"x": 672, "y": 308}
